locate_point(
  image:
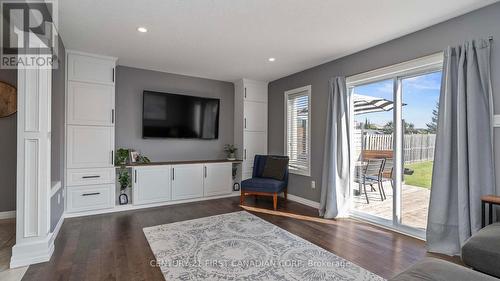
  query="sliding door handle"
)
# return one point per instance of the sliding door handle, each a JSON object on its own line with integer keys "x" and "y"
{"x": 135, "y": 176}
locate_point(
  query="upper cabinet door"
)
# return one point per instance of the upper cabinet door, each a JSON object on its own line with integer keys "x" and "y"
{"x": 255, "y": 143}
{"x": 86, "y": 68}
{"x": 255, "y": 116}
{"x": 90, "y": 104}
{"x": 218, "y": 178}
{"x": 90, "y": 147}
{"x": 255, "y": 92}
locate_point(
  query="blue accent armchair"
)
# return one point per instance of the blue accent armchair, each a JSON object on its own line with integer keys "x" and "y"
{"x": 258, "y": 185}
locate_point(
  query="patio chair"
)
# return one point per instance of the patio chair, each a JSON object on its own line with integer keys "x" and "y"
{"x": 386, "y": 174}
{"x": 371, "y": 174}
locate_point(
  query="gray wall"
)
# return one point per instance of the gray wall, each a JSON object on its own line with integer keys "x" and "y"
{"x": 8, "y": 151}
{"x": 57, "y": 146}
{"x": 131, "y": 82}
{"x": 478, "y": 24}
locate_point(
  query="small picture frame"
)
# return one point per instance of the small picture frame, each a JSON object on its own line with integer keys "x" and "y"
{"x": 134, "y": 155}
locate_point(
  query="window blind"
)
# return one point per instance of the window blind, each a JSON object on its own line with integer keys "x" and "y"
{"x": 298, "y": 147}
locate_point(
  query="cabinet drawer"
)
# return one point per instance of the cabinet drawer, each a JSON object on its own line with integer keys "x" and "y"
{"x": 86, "y": 198}
{"x": 90, "y": 176}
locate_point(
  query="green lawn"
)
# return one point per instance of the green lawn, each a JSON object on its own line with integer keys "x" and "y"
{"x": 422, "y": 176}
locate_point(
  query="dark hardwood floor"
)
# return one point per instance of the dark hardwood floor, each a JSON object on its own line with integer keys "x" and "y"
{"x": 113, "y": 246}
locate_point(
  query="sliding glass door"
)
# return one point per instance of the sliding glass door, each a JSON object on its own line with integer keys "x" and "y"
{"x": 394, "y": 118}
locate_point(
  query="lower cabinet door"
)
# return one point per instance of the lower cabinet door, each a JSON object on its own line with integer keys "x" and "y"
{"x": 217, "y": 178}
{"x": 151, "y": 185}
{"x": 187, "y": 181}
{"x": 91, "y": 197}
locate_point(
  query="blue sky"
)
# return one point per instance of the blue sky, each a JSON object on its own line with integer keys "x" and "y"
{"x": 420, "y": 93}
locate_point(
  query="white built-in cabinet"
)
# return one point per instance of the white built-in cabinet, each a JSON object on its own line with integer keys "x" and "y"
{"x": 163, "y": 183}
{"x": 250, "y": 113}
{"x": 217, "y": 179}
{"x": 187, "y": 181}
{"x": 90, "y": 132}
{"x": 152, "y": 184}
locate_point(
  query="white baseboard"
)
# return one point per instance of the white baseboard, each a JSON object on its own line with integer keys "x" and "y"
{"x": 304, "y": 201}
{"x": 130, "y": 207}
{"x": 32, "y": 252}
{"x": 7, "y": 215}
{"x": 54, "y": 233}
{"x": 36, "y": 251}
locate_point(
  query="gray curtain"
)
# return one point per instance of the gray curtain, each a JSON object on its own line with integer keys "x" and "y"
{"x": 463, "y": 163}
{"x": 335, "y": 184}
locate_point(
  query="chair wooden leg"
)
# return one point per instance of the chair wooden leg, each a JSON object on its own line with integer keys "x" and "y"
{"x": 286, "y": 194}
{"x": 275, "y": 200}
{"x": 242, "y": 198}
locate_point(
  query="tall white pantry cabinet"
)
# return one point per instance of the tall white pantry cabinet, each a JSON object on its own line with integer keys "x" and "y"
{"x": 90, "y": 132}
{"x": 250, "y": 122}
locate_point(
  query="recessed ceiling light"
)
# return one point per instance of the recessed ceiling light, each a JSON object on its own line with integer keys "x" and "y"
{"x": 142, "y": 29}
{"x": 271, "y": 59}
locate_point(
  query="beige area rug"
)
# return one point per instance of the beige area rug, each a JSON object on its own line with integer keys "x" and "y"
{"x": 241, "y": 246}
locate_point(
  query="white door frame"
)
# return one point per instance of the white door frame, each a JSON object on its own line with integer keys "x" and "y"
{"x": 396, "y": 73}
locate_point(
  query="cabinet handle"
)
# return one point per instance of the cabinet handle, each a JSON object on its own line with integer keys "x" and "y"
{"x": 90, "y": 194}
{"x": 245, "y": 92}
{"x": 113, "y": 75}
{"x": 173, "y": 174}
{"x": 112, "y": 157}
{"x": 245, "y": 123}
{"x": 90, "y": 177}
{"x": 135, "y": 176}
{"x": 245, "y": 150}
{"x": 205, "y": 171}
{"x": 112, "y": 116}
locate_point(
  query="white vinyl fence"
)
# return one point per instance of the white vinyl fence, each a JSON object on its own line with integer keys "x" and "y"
{"x": 416, "y": 147}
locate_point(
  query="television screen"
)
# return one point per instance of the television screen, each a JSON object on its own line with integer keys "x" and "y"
{"x": 166, "y": 115}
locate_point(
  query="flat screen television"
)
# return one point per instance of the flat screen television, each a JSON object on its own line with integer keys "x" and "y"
{"x": 167, "y": 115}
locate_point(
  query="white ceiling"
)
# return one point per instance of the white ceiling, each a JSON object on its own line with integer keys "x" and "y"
{"x": 232, "y": 39}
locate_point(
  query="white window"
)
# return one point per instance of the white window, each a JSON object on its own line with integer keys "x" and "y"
{"x": 298, "y": 130}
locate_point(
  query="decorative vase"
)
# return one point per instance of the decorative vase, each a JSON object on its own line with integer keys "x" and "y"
{"x": 123, "y": 198}
{"x": 231, "y": 156}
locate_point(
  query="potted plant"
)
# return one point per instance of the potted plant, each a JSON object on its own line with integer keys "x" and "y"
{"x": 124, "y": 181}
{"x": 122, "y": 159}
{"x": 122, "y": 156}
{"x": 230, "y": 150}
